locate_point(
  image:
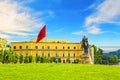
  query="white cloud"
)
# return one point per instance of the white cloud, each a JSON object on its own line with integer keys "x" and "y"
{"x": 94, "y": 30}
{"x": 79, "y": 33}
{"x": 16, "y": 18}
{"x": 4, "y": 36}
{"x": 106, "y": 12}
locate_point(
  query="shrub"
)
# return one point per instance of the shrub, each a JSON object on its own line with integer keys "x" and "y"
{"x": 21, "y": 58}
{"x": 26, "y": 59}
{"x": 30, "y": 58}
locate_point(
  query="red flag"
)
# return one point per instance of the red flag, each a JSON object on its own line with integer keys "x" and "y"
{"x": 41, "y": 34}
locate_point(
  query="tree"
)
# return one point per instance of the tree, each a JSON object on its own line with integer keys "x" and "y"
{"x": 63, "y": 61}
{"x": 68, "y": 60}
{"x": 26, "y": 59}
{"x": 59, "y": 60}
{"x": 37, "y": 59}
{"x": 15, "y": 58}
{"x": 52, "y": 59}
{"x": 21, "y": 58}
{"x": 30, "y": 58}
{"x": 105, "y": 59}
{"x": 76, "y": 61}
{"x": 1, "y": 55}
{"x": 113, "y": 59}
{"x": 5, "y": 57}
{"x": 41, "y": 59}
{"x": 98, "y": 54}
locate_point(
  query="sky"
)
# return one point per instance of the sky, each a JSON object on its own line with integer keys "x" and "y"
{"x": 99, "y": 20}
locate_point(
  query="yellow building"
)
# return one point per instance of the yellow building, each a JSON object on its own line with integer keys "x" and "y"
{"x": 3, "y": 43}
{"x": 49, "y": 48}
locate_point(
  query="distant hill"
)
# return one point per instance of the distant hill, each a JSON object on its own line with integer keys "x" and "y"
{"x": 112, "y": 53}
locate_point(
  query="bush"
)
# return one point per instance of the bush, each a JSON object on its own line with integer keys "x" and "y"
{"x": 76, "y": 61}
{"x": 21, "y": 58}
{"x": 52, "y": 59}
{"x": 30, "y": 58}
{"x": 41, "y": 59}
{"x": 68, "y": 60}
{"x": 59, "y": 60}
{"x": 37, "y": 59}
{"x": 16, "y": 59}
{"x": 26, "y": 59}
{"x": 63, "y": 61}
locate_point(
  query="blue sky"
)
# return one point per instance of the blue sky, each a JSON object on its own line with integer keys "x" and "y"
{"x": 99, "y": 20}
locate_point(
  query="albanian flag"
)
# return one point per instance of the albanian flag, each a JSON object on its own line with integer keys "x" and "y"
{"x": 41, "y": 34}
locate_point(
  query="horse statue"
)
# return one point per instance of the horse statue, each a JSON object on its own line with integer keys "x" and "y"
{"x": 85, "y": 44}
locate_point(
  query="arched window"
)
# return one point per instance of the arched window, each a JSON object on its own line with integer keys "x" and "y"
{"x": 14, "y": 47}
{"x": 42, "y": 54}
{"x": 68, "y": 54}
{"x": 20, "y": 47}
{"x": 26, "y": 47}
{"x": 74, "y": 55}
{"x": 36, "y": 47}
{"x": 74, "y": 47}
{"x": 68, "y": 47}
{"x": 63, "y": 55}
{"x": 42, "y": 47}
{"x": 48, "y": 47}
{"x": 63, "y": 47}
{"x": 48, "y": 54}
{"x": 56, "y": 47}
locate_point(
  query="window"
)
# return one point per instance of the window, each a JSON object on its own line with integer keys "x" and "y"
{"x": 26, "y": 47}
{"x": 56, "y": 47}
{"x": 14, "y": 47}
{"x": 36, "y": 54}
{"x": 56, "y": 55}
{"x": 63, "y": 55}
{"x": 36, "y": 47}
{"x": 43, "y": 54}
{"x": 74, "y": 55}
{"x": 26, "y": 53}
{"x": 68, "y": 54}
{"x": 48, "y": 54}
{"x": 42, "y": 47}
{"x": 68, "y": 47}
{"x": 20, "y": 47}
{"x": 48, "y": 47}
{"x": 74, "y": 47}
{"x": 63, "y": 47}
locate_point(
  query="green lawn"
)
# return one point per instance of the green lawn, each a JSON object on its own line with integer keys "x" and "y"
{"x": 58, "y": 72}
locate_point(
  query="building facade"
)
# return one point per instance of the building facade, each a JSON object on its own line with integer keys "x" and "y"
{"x": 49, "y": 48}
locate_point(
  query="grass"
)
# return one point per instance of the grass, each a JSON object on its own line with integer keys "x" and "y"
{"x": 58, "y": 72}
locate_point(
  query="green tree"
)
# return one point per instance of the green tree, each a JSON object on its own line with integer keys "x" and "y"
{"x": 59, "y": 60}
{"x": 52, "y": 59}
{"x": 98, "y": 55}
{"x": 41, "y": 59}
{"x": 76, "y": 61}
{"x": 1, "y": 55}
{"x": 21, "y": 58}
{"x": 15, "y": 58}
{"x": 63, "y": 61}
{"x": 68, "y": 60}
{"x": 37, "y": 59}
{"x": 105, "y": 59}
{"x": 113, "y": 59}
{"x": 5, "y": 56}
{"x": 26, "y": 59}
{"x": 30, "y": 58}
